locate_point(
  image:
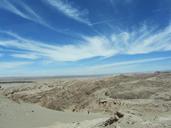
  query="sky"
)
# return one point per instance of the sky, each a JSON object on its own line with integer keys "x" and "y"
{"x": 84, "y": 37}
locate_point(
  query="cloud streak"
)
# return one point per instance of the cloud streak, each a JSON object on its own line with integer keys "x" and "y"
{"x": 143, "y": 40}
{"x": 139, "y": 41}
{"x": 90, "y": 47}
{"x": 22, "y": 10}
{"x": 68, "y": 9}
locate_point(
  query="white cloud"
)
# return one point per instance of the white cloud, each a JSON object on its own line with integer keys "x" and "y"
{"x": 22, "y": 10}
{"x": 69, "y": 10}
{"x": 139, "y": 41}
{"x": 142, "y": 40}
{"x": 91, "y": 47}
{"x": 146, "y": 41}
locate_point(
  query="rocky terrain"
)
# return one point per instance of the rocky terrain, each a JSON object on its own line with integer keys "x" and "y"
{"x": 142, "y": 100}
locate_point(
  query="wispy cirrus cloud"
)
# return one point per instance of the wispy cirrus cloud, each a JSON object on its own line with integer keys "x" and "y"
{"x": 142, "y": 40}
{"x": 150, "y": 40}
{"x": 90, "y": 47}
{"x": 23, "y": 10}
{"x": 139, "y": 41}
{"x": 69, "y": 10}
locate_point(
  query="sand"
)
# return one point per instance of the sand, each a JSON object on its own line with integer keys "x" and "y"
{"x": 144, "y": 100}
{"x": 23, "y": 115}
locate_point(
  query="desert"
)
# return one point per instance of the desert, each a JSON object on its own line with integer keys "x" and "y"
{"x": 136, "y": 100}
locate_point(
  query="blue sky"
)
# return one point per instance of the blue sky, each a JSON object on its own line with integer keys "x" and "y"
{"x": 84, "y": 37}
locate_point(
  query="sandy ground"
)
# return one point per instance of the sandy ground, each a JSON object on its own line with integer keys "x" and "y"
{"x": 143, "y": 99}
{"x": 14, "y": 115}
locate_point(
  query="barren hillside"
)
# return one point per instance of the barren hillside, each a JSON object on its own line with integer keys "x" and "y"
{"x": 141, "y": 97}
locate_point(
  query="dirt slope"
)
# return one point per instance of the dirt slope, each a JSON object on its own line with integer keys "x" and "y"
{"x": 143, "y": 98}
